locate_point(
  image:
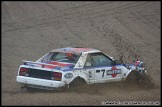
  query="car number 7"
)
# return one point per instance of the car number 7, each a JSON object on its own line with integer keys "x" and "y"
{"x": 103, "y": 70}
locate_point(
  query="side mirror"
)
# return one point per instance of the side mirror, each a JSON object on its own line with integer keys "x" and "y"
{"x": 117, "y": 62}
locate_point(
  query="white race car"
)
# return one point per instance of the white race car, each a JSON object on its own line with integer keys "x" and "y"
{"x": 68, "y": 67}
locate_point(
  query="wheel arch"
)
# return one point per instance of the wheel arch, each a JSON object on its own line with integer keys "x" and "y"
{"x": 79, "y": 77}
{"x": 129, "y": 72}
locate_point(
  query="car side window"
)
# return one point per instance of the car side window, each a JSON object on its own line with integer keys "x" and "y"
{"x": 88, "y": 62}
{"x": 45, "y": 58}
{"x": 99, "y": 59}
{"x": 65, "y": 57}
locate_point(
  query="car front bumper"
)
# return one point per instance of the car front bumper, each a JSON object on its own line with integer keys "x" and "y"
{"x": 40, "y": 83}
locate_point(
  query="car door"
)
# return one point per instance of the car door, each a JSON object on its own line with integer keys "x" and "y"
{"x": 104, "y": 68}
{"x": 90, "y": 71}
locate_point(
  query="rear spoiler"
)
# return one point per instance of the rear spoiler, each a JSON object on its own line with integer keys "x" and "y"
{"x": 31, "y": 62}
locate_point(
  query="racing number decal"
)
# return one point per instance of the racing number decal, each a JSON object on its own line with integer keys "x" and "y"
{"x": 103, "y": 70}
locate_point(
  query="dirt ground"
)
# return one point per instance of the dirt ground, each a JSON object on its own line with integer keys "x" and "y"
{"x": 31, "y": 29}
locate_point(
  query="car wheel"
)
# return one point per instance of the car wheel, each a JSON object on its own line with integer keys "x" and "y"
{"x": 142, "y": 80}
{"x": 146, "y": 82}
{"x": 132, "y": 78}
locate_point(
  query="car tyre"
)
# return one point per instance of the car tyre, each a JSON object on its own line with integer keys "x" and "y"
{"x": 142, "y": 80}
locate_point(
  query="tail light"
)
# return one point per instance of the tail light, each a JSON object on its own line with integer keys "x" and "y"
{"x": 56, "y": 76}
{"x": 23, "y": 72}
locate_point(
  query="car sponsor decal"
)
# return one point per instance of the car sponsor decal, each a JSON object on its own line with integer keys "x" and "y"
{"x": 113, "y": 72}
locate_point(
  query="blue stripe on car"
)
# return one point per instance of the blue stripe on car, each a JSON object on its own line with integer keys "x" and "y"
{"x": 91, "y": 68}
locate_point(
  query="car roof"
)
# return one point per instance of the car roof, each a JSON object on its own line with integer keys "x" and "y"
{"x": 76, "y": 50}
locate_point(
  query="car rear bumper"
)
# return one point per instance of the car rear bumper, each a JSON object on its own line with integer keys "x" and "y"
{"x": 40, "y": 83}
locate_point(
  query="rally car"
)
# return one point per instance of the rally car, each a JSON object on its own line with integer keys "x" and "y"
{"x": 71, "y": 66}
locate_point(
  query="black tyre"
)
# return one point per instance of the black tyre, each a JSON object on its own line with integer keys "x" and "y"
{"x": 142, "y": 80}
{"x": 146, "y": 82}
{"x": 133, "y": 78}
